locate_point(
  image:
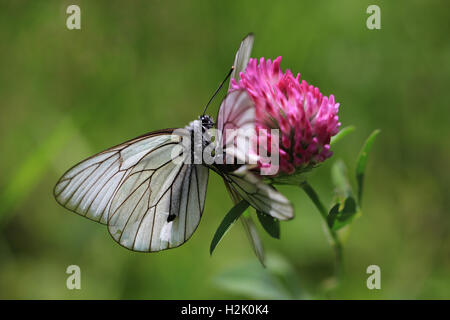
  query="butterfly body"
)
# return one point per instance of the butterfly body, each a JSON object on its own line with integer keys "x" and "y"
{"x": 196, "y": 136}
{"x": 207, "y": 122}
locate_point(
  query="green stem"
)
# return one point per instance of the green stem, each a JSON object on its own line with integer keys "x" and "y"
{"x": 336, "y": 243}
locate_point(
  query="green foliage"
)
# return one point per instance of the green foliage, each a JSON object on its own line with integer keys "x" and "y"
{"x": 270, "y": 224}
{"x": 347, "y": 208}
{"x": 341, "y": 134}
{"x": 248, "y": 225}
{"x": 339, "y": 217}
{"x": 362, "y": 161}
{"x": 229, "y": 219}
{"x": 339, "y": 176}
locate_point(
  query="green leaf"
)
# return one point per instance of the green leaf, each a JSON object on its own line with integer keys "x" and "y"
{"x": 312, "y": 194}
{"x": 249, "y": 226}
{"x": 270, "y": 224}
{"x": 362, "y": 161}
{"x": 339, "y": 218}
{"x": 342, "y": 133}
{"x": 227, "y": 222}
{"x": 339, "y": 175}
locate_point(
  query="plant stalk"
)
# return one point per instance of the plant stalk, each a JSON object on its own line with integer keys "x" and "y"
{"x": 335, "y": 242}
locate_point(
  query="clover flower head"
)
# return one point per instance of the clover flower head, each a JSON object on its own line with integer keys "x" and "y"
{"x": 306, "y": 119}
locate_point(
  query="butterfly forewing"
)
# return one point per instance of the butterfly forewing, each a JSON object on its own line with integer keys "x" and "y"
{"x": 242, "y": 56}
{"x": 88, "y": 187}
{"x": 134, "y": 188}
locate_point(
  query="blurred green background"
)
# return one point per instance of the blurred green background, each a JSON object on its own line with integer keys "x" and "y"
{"x": 139, "y": 66}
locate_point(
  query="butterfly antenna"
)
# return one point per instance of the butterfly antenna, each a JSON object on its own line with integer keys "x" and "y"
{"x": 218, "y": 89}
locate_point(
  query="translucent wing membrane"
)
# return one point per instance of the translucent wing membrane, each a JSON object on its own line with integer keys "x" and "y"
{"x": 237, "y": 110}
{"x": 141, "y": 208}
{"x": 88, "y": 187}
{"x": 242, "y": 56}
{"x": 259, "y": 195}
{"x": 136, "y": 189}
{"x": 237, "y": 113}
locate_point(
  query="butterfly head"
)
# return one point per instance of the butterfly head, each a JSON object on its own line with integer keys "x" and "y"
{"x": 207, "y": 122}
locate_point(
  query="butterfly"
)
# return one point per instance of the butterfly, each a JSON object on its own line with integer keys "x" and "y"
{"x": 150, "y": 202}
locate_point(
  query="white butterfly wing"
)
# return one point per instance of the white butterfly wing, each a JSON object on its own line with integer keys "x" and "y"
{"x": 242, "y": 56}
{"x": 88, "y": 187}
{"x": 259, "y": 195}
{"x": 105, "y": 188}
{"x": 140, "y": 210}
{"x": 237, "y": 111}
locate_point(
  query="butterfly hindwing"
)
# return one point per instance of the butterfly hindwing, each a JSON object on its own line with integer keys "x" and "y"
{"x": 140, "y": 210}
{"x": 259, "y": 195}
